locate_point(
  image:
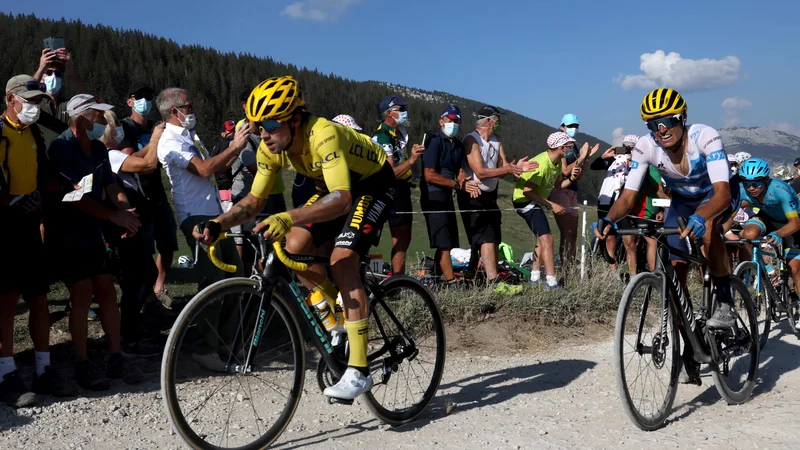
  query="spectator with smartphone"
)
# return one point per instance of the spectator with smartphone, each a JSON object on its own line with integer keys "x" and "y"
{"x": 74, "y": 210}
{"x": 442, "y": 173}
{"x": 54, "y": 65}
{"x": 136, "y": 270}
{"x": 571, "y": 168}
{"x": 22, "y": 159}
{"x": 191, "y": 170}
{"x": 162, "y": 234}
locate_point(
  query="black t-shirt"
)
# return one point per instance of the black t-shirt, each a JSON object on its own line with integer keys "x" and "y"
{"x": 443, "y": 155}
{"x": 67, "y": 227}
{"x": 138, "y": 136}
{"x": 796, "y": 185}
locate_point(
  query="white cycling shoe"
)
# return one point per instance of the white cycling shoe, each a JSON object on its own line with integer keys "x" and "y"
{"x": 351, "y": 385}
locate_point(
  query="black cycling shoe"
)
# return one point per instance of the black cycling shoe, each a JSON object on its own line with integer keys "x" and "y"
{"x": 51, "y": 383}
{"x": 14, "y": 393}
{"x": 723, "y": 317}
{"x": 690, "y": 373}
{"x": 89, "y": 377}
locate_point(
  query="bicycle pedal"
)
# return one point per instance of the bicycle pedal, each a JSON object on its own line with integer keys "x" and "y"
{"x": 339, "y": 401}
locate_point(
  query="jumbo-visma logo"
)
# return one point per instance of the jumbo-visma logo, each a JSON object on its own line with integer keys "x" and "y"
{"x": 328, "y": 160}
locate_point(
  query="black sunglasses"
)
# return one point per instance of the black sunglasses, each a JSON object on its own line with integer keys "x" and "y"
{"x": 57, "y": 72}
{"x": 31, "y": 86}
{"x": 139, "y": 96}
{"x": 666, "y": 122}
{"x": 755, "y": 184}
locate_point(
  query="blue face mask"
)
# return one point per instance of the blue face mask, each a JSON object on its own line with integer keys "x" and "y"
{"x": 402, "y": 117}
{"x": 96, "y": 132}
{"x": 52, "y": 84}
{"x": 142, "y": 106}
{"x": 450, "y": 129}
{"x": 571, "y": 132}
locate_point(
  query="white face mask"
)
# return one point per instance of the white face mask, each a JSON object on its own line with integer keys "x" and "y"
{"x": 53, "y": 84}
{"x": 189, "y": 120}
{"x": 29, "y": 113}
{"x": 450, "y": 129}
{"x": 571, "y": 132}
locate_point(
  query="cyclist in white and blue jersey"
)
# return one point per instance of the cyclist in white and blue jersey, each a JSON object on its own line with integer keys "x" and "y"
{"x": 777, "y": 216}
{"x": 693, "y": 163}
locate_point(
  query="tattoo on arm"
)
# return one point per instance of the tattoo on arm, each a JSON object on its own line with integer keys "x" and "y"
{"x": 243, "y": 212}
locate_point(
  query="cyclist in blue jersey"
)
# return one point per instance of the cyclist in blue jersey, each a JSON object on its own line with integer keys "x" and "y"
{"x": 693, "y": 163}
{"x": 777, "y": 216}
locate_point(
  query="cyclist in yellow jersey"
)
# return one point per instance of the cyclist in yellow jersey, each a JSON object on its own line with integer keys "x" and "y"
{"x": 355, "y": 195}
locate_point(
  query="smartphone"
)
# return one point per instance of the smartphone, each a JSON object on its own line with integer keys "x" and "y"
{"x": 621, "y": 150}
{"x": 54, "y": 43}
{"x": 662, "y": 202}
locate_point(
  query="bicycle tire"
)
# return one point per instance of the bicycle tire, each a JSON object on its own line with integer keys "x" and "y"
{"x": 407, "y": 415}
{"x": 731, "y": 396}
{"x": 627, "y": 306}
{"x": 169, "y": 363}
{"x": 792, "y": 310}
{"x": 747, "y": 272}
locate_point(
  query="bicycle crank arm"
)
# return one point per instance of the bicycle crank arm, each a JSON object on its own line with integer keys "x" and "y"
{"x": 339, "y": 401}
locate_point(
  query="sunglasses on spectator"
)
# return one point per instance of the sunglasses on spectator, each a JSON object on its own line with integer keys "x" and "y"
{"x": 268, "y": 125}
{"x": 31, "y": 86}
{"x": 57, "y": 72}
{"x": 146, "y": 96}
{"x": 666, "y": 122}
{"x": 755, "y": 184}
{"x": 574, "y": 125}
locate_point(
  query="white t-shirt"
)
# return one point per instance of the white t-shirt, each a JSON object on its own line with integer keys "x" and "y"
{"x": 129, "y": 180}
{"x": 490, "y": 153}
{"x": 194, "y": 195}
{"x": 708, "y": 163}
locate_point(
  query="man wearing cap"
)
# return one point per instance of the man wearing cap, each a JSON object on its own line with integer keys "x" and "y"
{"x": 531, "y": 198}
{"x": 73, "y": 236}
{"x": 568, "y": 197}
{"x": 393, "y": 137}
{"x": 161, "y": 233}
{"x": 22, "y": 158}
{"x": 191, "y": 170}
{"x": 442, "y": 173}
{"x": 485, "y": 162}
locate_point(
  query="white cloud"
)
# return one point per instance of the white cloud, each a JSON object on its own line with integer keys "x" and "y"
{"x": 616, "y": 136}
{"x": 319, "y": 10}
{"x": 731, "y": 107}
{"x": 671, "y": 70}
{"x": 785, "y": 127}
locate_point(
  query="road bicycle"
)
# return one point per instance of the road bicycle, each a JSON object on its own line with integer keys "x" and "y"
{"x": 653, "y": 310}
{"x": 261, "y": 326}
{"x": 773, "y": 296}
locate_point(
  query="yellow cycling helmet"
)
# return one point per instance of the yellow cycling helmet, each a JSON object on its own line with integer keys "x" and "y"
{"x": 662, "y": 102}
{"x": 274, "y": 99}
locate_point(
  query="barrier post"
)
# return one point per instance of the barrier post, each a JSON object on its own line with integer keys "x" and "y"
{"x": 583, "y": 242}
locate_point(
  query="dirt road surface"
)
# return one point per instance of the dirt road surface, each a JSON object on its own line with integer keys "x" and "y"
{"x": 562, "y": 398}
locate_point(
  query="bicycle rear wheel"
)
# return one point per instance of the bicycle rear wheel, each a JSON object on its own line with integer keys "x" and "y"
{"x": 647, "y": 359}
{"x": 406, "y": 350}
{"x": 251, "y": 403}
{"x": 758, "y": 291}
{"x": 735, "y": 374}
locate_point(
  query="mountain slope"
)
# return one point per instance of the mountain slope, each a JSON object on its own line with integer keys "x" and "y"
{"x": 762, "y": 142}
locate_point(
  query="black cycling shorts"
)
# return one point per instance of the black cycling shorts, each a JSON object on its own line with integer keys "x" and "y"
{"x": 535, "y": 218}
{"x": 361, "y": 228}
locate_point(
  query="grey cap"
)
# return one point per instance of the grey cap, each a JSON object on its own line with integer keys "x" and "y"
{"x": 83, "y": 102}
{"x": 24, "y": 86}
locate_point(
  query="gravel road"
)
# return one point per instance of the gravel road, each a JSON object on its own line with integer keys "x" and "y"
{"x": 562, "y": 398}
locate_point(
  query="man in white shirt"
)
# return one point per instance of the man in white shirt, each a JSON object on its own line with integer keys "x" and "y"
{"x": 194, "y": 190}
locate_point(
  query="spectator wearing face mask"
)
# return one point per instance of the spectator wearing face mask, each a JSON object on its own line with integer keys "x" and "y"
{"x": 191, "y": 170}
{"x": 74, "y": 238}
{"x": 442, "y": 173}
{"x": 136, "y": 269}
{"x": 22, "y": 159}
{"x": 393, "y": 138}
{"x": 571, "y": 168}
{"x": 54, "y": 64}
{"x": 162, "y": 234}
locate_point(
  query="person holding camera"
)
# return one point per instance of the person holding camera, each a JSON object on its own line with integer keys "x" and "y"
{"x": 54, "y": 63}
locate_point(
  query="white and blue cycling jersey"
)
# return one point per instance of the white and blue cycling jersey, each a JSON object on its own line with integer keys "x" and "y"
{"x": 708, "y": 163}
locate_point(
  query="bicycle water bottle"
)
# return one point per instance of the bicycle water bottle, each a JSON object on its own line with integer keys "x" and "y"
{"x": 332, "y": 319}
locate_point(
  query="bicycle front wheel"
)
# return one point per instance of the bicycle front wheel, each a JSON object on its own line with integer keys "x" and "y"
{"x": 219, "y": 390}
{"x": 406, "y": 350}
{"x": 757, "y": 289}
{"x": 735, "y": 373}
{"x": 647, "y": 356}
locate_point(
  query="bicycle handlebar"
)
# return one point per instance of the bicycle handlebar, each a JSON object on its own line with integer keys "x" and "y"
{"x": 643, "y": 231}
{"x": 280, "y": 253}
{"x": 762, "y": 240}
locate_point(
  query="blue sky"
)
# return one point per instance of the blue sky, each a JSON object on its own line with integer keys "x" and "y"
{"x": 736, "y": 62}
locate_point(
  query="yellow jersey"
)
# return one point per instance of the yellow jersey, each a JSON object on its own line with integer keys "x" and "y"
{"x": 334, "y": 155}
{"x": 18, "y": 158}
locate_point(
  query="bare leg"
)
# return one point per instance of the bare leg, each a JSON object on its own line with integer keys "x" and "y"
{"x": 546, "y": 243}
{"x": 39, "y": 323}
{"x": 489, "y": 255}
{"x": 401, "y": 238}
{"x": 652, "y": 252}
{"x": 299, "y": 241}
{"x": 442, "y": 258}
{"x": 163, "y": 263}
{"x": 611, "y": 249}
{"x": 106, "y": 296}
{"x": 630, "y": 250}
{"x": 81, "y": 296}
